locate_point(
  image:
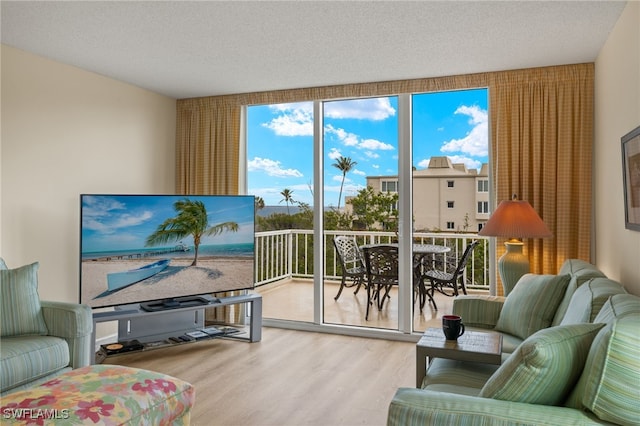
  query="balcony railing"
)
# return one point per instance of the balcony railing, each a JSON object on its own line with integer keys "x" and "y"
{"x": 289, "y": 253}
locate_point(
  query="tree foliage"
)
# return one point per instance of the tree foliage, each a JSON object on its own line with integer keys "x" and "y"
{"x": 375, "y": 210}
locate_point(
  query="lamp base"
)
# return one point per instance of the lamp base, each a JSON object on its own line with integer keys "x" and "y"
{"x": 512, "y": 265}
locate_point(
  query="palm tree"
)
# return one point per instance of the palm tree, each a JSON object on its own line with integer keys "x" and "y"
{"x": 286, "y": 193}
{"x": 190, "y": 220}
{"x": 259, "y": 203}
{"x": 344, "y": 164}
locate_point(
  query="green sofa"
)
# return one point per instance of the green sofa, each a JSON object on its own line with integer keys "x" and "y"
{"x": 38, "y": 339}
{"x": 571, "y": 355}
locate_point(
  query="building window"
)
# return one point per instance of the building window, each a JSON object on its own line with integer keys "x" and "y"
{"x": 483, "y": 207}
{"x": 389, "y": 186}
{"x": 450, "y": 184}
{"x": 451, "y": 225}
{"x": 483, "y": 185}
{"x": 449, "y": 204}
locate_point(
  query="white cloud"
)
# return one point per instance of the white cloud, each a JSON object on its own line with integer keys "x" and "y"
{"x": 294, "y": 119}
{"x": 423, "y": 164}
{"x": 476, "y": 142}
{"x": 358, "y": 172}
{"x": 362, "y": 109}
{"x": 469, "y": 162}
{"x": 374, "y": 144}
{"x": 334, "y": 154}
{"x": 271, "y": 168}
{"x": 347, "y": 139}
{"x": 102, "y": 214}
{"x": 368, "y": 145}
{"x": 371, "y": 154}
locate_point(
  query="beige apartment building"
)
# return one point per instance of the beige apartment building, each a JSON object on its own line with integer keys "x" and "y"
{"x": 446, "y": 196}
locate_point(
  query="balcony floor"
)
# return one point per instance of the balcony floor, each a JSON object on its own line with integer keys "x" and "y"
{"x": 292, "y": 299}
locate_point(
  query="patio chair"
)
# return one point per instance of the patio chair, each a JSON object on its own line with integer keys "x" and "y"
{"x": 449, "y": 283}
{"x": 351, "y": 262}
{"x": 382, "y": 273}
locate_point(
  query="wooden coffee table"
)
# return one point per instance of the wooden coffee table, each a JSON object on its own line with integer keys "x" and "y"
{"x": 476, "y": 346}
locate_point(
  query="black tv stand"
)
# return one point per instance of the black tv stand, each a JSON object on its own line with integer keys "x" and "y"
{"x": 177, "y": 303}
{"x": 132, "y": 313}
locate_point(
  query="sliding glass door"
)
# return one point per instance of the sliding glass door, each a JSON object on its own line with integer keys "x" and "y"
{"x": 360, "y": 146}
{"x": 401, "y": 170}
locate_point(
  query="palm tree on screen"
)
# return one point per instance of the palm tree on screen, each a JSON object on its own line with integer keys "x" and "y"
{"x": 191, "y": 220}
{"x": 344, "y": 164}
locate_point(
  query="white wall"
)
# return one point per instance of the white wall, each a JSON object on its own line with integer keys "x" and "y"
{"x": 617, "y": 93}
{"x": 66, "y": 131}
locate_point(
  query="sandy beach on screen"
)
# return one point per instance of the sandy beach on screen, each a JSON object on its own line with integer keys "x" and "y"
{"x": 211, "y": 274}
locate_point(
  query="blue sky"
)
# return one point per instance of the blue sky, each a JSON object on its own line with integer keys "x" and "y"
{"x": 280, "y": 147}
{"x": 123, "y": 222}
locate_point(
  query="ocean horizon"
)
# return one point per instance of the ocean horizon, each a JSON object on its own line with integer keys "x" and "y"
{"x": 219, "y": 250}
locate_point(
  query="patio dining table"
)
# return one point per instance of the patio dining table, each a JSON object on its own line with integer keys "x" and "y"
{"x": 419, "y": 250}
{"x": 421, "y": 263}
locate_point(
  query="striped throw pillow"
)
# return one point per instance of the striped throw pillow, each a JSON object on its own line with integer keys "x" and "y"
{"x": 545, "y": 367}
{"x": 20, "y": 311}
{"x": 532, "y": 304}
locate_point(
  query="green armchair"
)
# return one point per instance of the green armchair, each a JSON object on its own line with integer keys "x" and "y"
{"x": 38, "y": 339}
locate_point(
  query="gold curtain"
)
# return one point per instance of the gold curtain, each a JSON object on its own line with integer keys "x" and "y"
{"x": 207, "y": 147}
{"x": 541, "y": 145}
{"x": 541, "y": 139}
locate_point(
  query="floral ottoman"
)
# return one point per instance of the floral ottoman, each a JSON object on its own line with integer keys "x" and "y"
{"x": 102, "y": 395}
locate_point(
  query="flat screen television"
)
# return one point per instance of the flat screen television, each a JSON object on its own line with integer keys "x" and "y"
{"x": 164, "y": 251}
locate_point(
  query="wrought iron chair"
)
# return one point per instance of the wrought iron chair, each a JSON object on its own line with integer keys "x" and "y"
{"x": 351, "y": 262}
{"x": 449, "y": 283}
{"x": 382, "y": 273}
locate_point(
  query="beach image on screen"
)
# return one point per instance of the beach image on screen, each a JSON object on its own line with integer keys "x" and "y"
{"x": 138, "y": 248}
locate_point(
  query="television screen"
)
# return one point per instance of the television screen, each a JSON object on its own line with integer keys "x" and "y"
{"x": 141, "y": 248}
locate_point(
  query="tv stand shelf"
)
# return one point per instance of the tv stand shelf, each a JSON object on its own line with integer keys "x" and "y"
{"x": 133, "y": 312}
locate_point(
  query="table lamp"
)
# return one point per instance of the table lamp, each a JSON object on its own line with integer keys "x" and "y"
{"x": 514, "y": 219}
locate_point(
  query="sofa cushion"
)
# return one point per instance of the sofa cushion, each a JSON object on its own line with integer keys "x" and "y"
{"x": 545, "y": 367}
{"x": 589, "y": 298}
{"x": 619, "y": 306}
{"x": 20, "y": 311}
{"x": 532, "y": 304}
{"x": 580, "y": 272}
{"x": 26, "y": 358}
{"x": 580, "y": 268}
{"x": 608, "y": 386}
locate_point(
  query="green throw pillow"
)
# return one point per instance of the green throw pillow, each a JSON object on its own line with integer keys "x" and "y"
{"x": 545, "y": 367}
{"x": 608, "y": 386}
{"x": 20, "y": 311}
{"x": 532, "y": 304}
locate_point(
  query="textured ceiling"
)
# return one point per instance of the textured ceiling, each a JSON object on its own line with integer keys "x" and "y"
{"x": 188, "y": 49}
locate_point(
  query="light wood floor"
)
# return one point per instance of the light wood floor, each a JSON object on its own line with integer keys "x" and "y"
{"x": 289, "y": 378}
{"x": 294, "y": 377}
